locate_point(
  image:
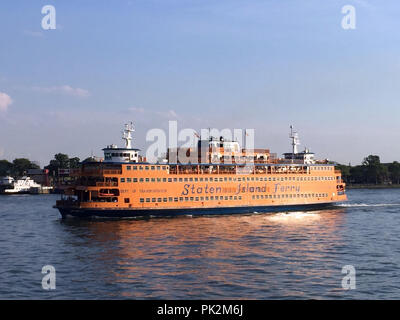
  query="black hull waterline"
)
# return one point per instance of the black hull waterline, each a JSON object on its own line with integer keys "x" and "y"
{"x": 130, "y": 213}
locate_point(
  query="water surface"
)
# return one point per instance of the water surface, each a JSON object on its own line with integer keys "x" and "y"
{"x": 256, "y": 256}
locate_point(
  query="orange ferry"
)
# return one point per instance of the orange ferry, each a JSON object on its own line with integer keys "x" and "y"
{"x": 226, "y": 179}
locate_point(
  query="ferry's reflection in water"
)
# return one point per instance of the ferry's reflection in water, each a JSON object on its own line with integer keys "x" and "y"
{"x": 233, "y": 256}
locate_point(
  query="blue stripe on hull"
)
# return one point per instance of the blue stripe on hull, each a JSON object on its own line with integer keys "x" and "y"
{"x": 126, "y": 213}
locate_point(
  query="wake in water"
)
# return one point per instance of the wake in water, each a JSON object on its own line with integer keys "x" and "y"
{"x": 351, "y": 205}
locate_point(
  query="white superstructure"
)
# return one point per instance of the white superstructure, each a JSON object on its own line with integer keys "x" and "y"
{"x": 128, "y": 154}
{"x": 22, "y": 185}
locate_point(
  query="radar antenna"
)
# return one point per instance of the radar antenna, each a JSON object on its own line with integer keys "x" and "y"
{"x": 294, "y": 136}
{"x": 127, "y": 135}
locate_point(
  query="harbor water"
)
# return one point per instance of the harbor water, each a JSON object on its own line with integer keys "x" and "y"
{"x": 286, "y": 255}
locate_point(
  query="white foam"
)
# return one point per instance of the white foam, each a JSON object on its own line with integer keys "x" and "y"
{"x": 350, "y": 205}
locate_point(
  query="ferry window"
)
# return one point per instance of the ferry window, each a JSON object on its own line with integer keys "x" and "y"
{"x": 186, "y": 198}
{"x": 134, "y": 168}
{"x": 226, "y": 198}
{"x": 175, "y": 179}
{"x": 169, "y": 179}
{"x": 206, "y": 198}
{"x": 153, "y": 167}
{"x": 146, "y": 167}
{"x": 196, "y": 179}
{"x": 211, "y": 197}
{"x": 175, "y": 199}
{"x": 191, "y": 198}
{"x": 201, "y": 198}
{"x": 258, "y": 196}
{"x": 197, "y": 198}
{"x": 240, "y": 197}
{"x": 141, "y": 200}
{"x": 153, "y": 199}
{"x": 225, "y": 179}
{"x": 253, "y": 197}
{"x": 164, "y": 179}
{"x": 211, "y": 179}
{"x": 141, "y": 180}
{"x": 170, "y": 199}
{"x": 221, "y": 179}
{"x": 126, "y": 200}
{"x": 147, "y": 179}
{"x": 190, "y": 179}
{"x": 205, "y": 179}
{"x": 140, "y": 168}
{"x": 147, "y": 199}
{"x": 159, "y": 200}
{"x": 153, "y": 179}
{"x": 128, "y": 167}
{"x": 122, "y": 179}
{"x": 201, "y": 179}
{"x": 221, "y": 198}
{"x": 230, "y": 179}
{"x": 158, "y": 179}
{"x": 128, "y": 180}
{"x": 235, "y": 197}
{"x": 158, "y": 167}
{"x": 164, "y": 199}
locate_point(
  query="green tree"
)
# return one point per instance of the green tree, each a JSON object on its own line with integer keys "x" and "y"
{"x": 394, "y": 172}
{"x": 21, "y": 165}
{"x": 74, "y": 162}
{"x": 5, "y": 168}
{"x": 375, "y": 171}
{"x": 62, "y": 161}
{"x": 357, "y": 174}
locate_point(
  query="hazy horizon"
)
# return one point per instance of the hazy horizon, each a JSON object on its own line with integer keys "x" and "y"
{"x": 221, "y": 64}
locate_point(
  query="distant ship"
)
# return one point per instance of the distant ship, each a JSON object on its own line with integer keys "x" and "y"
{"x": 24, "y": 185}
{"x": 124, "y": 184}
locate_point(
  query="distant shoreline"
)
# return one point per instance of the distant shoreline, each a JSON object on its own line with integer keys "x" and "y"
{"x": 372, "y": 186}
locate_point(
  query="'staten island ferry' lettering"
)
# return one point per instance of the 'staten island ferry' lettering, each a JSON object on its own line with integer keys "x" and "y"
{"x": 219, "y": 178}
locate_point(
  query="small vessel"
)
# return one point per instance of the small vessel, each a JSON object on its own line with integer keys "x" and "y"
{"x": 23, "y": 185}
{"x": 215, "y": 181}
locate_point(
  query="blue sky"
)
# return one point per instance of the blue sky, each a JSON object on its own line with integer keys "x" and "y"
{"x": 224, "y": 64}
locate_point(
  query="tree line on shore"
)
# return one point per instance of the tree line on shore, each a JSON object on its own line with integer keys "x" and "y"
{"x": 19, "y": 167}
{"x": 371, "y": 170}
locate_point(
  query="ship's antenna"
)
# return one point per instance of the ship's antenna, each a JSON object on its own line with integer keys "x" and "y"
{"x": 295, "y": 141}
{"x": 127, "y": 135}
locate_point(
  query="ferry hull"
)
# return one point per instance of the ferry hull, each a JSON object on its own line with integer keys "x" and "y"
{"x": 131, "y": 213}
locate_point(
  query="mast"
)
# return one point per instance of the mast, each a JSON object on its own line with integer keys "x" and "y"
{"x": 295, "y": 141}
{"x": 127, "y": 135}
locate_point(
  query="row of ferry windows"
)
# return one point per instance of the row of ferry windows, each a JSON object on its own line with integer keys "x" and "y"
{"x": 165, "y": 167}
{"x": 225, "y": 179}
{"x": 295, "y": 195}
{"x": 146, "y": 168}
{"x": 171, "y": 199}
{"x": 218, "y": 198}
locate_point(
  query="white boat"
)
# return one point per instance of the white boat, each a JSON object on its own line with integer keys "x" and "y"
{"x": 23, "y": 185}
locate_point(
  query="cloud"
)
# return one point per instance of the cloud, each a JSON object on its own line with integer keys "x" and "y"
{"x": 5, "y": 101}
{"x": 65, "y": 89}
